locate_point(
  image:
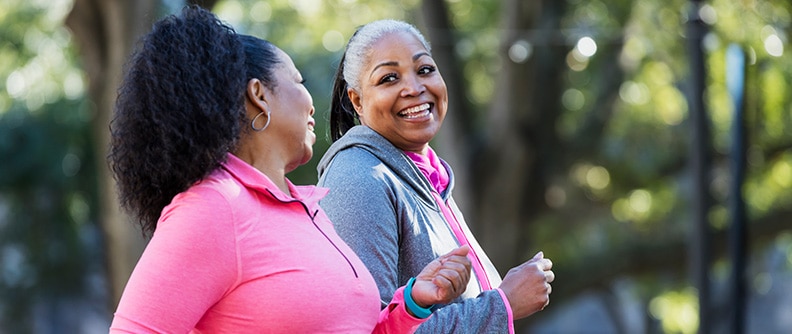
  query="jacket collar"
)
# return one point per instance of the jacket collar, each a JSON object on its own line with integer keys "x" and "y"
{"x": 254, "y": 179}
{"x": 366, "y": 138}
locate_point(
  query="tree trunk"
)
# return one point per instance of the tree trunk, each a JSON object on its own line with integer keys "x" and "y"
{"x": 106, "y": 32}
{"x": 521, "y": 137}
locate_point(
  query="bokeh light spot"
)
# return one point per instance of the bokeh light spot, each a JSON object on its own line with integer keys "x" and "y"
{"x": 598, "y": 177}
{"x": 774, "y": 46}
{"x": 333, "y": 41}
{"x": 520, "y": 51}
{"x": 573, "y": 99}
{"x": 587, "y": 46}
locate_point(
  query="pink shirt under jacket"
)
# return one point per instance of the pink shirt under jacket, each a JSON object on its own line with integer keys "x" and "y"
{"x": 234, "y": 254}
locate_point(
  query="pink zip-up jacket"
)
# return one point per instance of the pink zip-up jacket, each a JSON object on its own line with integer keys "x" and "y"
{"x": 234, "y": 254}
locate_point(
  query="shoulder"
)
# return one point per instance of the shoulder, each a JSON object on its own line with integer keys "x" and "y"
{"x": 354, "y": 156}
{"x": 353, "y": 164}
{"x": 211, "y": 198}
{"x": 354, "y": 174}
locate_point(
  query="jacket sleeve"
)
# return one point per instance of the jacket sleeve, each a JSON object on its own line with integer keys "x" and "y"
{"x": 486, "y": 313}
{"x": 362, "y": 205}
{"x": 395, "y": 319}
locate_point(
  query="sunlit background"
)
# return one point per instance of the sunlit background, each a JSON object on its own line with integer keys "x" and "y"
{"x": 613, "y": 210}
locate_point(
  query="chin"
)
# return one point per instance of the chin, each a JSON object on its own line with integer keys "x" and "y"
{"x": 307, "y": 157}
{"x": 425, "y": 137}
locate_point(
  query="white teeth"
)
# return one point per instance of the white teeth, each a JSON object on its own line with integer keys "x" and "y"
{"x": 416, "y": 111}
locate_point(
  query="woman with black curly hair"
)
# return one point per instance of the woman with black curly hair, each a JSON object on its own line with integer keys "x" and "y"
{"x": 207, "y": 124}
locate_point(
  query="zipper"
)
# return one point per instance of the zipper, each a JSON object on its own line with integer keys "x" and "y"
{"x": 312, "y": 216}
{"x": 453, "y": 223}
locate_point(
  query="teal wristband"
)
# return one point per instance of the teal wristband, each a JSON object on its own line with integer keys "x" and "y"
{"x": 420, "y": 312}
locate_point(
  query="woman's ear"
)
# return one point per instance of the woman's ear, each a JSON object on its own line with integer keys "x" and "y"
{"x": 257, "y": 94}
{"x": 354, "y": 97}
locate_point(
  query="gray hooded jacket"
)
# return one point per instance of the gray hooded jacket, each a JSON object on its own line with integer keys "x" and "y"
{"x": 382, "y": 206}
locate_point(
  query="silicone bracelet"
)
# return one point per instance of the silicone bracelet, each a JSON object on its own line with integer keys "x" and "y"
{"x": 419, "y": 312}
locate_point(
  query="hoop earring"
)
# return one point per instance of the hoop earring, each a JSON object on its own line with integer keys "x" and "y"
{"x": 253, "y": 122}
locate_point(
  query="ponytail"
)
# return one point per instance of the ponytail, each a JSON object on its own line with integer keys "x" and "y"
{"x": 179, "y": 110}
{"x": 342, "y": 114}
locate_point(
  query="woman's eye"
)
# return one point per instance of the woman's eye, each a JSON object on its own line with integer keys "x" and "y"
{"x": 388, "y": 78}
{"x": 426, "y": 69}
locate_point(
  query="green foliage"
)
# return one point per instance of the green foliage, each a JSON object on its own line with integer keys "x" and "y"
{"x": 47, "y": 174}
{"x": 644, "y": 148}
{"x": 47, "y": 190}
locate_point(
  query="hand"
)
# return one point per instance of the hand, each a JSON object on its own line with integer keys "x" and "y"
{"x": 443, "y": 279}
{"x": 527, "y": 286}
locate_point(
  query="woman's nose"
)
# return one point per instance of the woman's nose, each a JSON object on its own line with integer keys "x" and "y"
{"x": 412, "y": 86}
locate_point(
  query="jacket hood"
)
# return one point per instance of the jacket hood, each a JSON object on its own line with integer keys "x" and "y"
{"x": 363, "y": 137}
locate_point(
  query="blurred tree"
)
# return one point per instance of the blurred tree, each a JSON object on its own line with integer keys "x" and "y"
{"x": 48, "y": 235}
{"x": 46, "y": 228}
{"x": 106, "y": 32}
{"x": 578, "y": 144}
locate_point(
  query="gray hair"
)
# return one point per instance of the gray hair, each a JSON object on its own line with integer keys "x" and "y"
{"x": 360, "y": 44}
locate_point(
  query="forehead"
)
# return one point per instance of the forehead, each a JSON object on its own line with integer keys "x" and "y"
{"x": 393, "y": 46}
{"x": 285, "y": 62}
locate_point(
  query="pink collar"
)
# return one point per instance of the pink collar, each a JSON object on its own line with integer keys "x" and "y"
{"x": 255, "y": 179}
{"x": 431, "y": 168}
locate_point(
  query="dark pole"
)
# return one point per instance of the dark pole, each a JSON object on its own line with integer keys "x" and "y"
{"x": 700, "y": 167}
{"x": 735, "y": 80}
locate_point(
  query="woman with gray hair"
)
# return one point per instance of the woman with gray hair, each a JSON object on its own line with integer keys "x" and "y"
{"x": 390, "y": 194}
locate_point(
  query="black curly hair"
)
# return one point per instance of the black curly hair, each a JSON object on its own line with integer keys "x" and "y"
{"x": 181, "y": 108}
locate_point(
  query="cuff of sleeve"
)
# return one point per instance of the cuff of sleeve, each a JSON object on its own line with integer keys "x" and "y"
{"x": 406, "y": 323}
{"x": 508, "y": 310}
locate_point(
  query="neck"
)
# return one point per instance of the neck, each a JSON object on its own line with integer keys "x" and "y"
{"x": 275, "y": 172}
{"x": 422, "y": 150}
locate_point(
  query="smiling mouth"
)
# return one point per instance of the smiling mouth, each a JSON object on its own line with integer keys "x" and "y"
{"x": 417, "y": 111}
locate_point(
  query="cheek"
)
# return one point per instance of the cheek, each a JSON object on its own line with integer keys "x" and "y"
{"x": 442, "y": 110}
{"x": 439, "y": 88}
{"x": 375, "y": 109}
{"x": 442, "y": 98}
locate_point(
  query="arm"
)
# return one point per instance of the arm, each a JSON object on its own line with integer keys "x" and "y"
{"x": 362, "y": 206}
{"x": 525, "y": 290}
{"x": 528, "y": 285}
{"x": 187, "y": 266}
{"x": 442, "y": 280}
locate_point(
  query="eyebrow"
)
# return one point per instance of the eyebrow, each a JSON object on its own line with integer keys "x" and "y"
{"x": 396, "y": 63}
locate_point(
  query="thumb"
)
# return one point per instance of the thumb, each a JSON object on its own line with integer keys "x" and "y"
{"x": 460, "y": 251}
{"x": 538, "y": 256}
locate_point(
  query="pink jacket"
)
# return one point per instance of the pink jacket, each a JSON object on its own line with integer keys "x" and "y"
{"x": 234, "y": 254}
